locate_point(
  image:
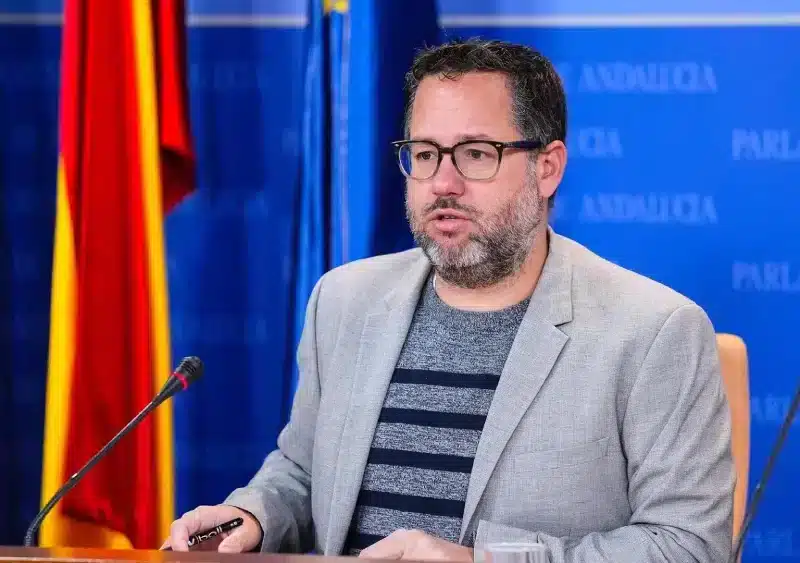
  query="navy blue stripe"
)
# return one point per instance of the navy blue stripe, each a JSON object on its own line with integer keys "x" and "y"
{"x": 409, "y": 503}
{"x": 433, "y": 419}
{"x": 437, "y": 462}
{"x": 446, "y": 379}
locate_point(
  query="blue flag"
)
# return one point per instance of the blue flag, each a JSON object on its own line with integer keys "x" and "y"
{"x": 368, "y": 209}
{"x": 311, "y": 242}
{"x": 351, "y": 197}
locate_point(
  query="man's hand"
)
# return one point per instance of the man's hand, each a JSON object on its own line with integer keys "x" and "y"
{"x": 244, "y": 538}
{"x": 416, "y": 545}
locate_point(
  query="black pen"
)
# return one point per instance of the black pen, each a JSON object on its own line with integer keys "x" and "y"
{"x": 213, "y": 532}
{"x": 208, "y": 534}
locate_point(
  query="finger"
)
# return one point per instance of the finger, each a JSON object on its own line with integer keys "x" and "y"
{"x": 391, "y": 547}
{"x": 179, "y": 535}
{"x": 234, "y": 543}
{"x": 165, "y": 545}
{"x": 188, "y": 524}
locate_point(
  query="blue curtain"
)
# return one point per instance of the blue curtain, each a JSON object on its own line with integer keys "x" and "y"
{"x": 231, "y": 251}
{"x": 8, "y": 463}
{"x": 28, "y": 107}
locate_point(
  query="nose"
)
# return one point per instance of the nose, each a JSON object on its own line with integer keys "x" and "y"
{"x": 448, "y": 181}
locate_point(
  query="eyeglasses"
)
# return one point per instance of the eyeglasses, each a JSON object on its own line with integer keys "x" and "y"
{"x": 474, "y": 160}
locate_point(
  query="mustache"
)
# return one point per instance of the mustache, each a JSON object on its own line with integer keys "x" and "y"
{"x": 449, "y": 203}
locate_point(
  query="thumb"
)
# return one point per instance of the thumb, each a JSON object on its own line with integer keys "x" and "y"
{"x": 234, "y": 543}
{"x": 391, "y": 547}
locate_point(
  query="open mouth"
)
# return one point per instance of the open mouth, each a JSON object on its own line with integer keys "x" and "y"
{"x": 449, "y": 222}
{"x": 444, "y": 214}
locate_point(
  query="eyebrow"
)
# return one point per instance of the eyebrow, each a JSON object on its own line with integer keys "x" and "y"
{"x": 476, "y": 137}
{"x": 467, "y": 137}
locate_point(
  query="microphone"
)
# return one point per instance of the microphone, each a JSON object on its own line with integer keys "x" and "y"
{"x": 189, "y": 371}
{"x": 758, "y": 493}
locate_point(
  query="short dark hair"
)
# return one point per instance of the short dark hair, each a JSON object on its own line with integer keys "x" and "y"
{"x": 538, "y": 101}
{"x": 537, "y": 95}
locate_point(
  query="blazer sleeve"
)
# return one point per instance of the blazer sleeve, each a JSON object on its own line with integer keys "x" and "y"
{"x": 677, "y": 439}
{"x": 279, "y": 495}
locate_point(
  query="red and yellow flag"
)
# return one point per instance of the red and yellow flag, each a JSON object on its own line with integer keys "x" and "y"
{"x": 125, "y": 158}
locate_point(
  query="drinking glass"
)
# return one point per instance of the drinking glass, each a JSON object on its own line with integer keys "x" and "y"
{"x": 512, "y": 552}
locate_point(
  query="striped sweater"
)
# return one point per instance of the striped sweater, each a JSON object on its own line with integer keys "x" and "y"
{"x": 422, "y": 452}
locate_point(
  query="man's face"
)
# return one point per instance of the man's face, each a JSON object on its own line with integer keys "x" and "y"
{"x": 495, "y": 220}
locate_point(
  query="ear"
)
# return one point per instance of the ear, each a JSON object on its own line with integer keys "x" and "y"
{"x": 550, "y": 165}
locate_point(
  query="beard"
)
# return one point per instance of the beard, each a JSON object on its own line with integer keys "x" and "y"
{"x": 496, "y": 250}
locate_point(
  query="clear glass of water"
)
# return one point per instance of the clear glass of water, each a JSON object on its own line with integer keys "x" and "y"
{"x": 512, "y": 552}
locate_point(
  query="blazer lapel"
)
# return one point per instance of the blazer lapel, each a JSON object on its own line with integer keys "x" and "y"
{"x": 534, "y": 352}
{"x": 382, "y": 338}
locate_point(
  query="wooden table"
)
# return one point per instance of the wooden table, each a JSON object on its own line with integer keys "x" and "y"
{"x": 70, "y": 554}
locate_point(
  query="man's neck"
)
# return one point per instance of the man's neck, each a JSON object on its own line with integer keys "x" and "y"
{"x": 505, "y": 293}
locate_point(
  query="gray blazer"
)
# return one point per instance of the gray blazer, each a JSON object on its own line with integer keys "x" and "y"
{"x": 608, "y": 437}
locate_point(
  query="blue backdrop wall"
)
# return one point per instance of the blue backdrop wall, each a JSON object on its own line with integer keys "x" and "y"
{"x": 684, "y": 142}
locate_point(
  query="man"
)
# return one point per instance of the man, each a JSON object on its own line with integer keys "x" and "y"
{"x": 500, "y": 382}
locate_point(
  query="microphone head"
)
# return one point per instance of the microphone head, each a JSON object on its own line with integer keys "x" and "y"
{"x": 191, "y": 368}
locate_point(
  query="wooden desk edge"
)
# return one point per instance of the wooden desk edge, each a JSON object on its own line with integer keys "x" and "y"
{"x": 10, "y": 553}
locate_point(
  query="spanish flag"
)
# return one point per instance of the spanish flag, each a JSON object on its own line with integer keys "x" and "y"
{"x": 125, "y": 159}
